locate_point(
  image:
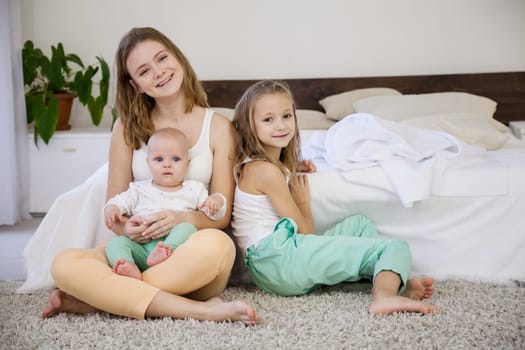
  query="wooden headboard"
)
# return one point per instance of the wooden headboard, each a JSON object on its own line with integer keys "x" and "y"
{"x": 507, "y": 89}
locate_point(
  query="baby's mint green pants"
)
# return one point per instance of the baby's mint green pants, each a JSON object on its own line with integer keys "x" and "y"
{"x": 123, "y": 247}
{"x": 290, "y": 263}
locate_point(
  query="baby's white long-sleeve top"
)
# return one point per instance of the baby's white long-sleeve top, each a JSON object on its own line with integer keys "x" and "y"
{"x": 143, "y": 198}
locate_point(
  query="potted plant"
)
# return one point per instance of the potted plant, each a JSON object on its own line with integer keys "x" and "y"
{"x": 51, "y": 84}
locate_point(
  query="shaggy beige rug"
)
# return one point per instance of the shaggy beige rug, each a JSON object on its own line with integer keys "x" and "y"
{"x": 472, "y": 316}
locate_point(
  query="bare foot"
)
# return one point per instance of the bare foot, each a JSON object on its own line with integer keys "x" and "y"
{"x": 419, "y": 288}
{"x": 159, "y": 254}
{"x": 237, "y": 310}
{"x": 127, "y": 268}
{"x": 387, "y": 305}
{"x": 59, "y": 301}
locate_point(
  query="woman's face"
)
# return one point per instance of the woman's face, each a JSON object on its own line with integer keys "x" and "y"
{"x": 154, "y": 69}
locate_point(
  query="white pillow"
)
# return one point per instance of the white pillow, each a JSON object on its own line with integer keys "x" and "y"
{"x": 309, "y": 119}
{"x": 340, "y": 105}
{"x": 468, "y": 127}
{"x": 408, "y": 106}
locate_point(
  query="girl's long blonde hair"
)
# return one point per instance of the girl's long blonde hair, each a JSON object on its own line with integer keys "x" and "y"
{"x": 247, "y": 144}
{"x": 134, "y": 108}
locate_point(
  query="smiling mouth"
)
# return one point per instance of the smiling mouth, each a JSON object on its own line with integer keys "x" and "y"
{"x": 161, "y": 84}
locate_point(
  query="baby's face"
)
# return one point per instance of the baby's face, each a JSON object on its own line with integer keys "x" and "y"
{"x": 168, "y": 161}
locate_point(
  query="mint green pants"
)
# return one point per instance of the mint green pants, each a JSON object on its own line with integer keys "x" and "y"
{"x": 290, "y": 263}
{"x": 123, "y": 247}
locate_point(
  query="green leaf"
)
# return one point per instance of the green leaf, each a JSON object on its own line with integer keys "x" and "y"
{"x": 46, "y": 117}
{"x": 74, "y": 58}
{"x": 29, "y": 108}
{"x": 104, "y": 81}
{"x": 83, "y": 84}
{"x": 96, "y": 109}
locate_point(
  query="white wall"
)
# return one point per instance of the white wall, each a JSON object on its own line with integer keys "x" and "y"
{"x": 250, "y": 39}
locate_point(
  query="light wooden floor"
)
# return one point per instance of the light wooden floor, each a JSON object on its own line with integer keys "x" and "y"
{"x": 13, "y": 239}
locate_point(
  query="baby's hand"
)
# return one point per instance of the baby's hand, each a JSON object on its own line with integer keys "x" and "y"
{"x": 212, "y": 204}
{"x": 306, "y": 166}
{"x": 112, "y": 215}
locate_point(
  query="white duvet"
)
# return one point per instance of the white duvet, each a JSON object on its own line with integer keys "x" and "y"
{"x": 415, "y": 161}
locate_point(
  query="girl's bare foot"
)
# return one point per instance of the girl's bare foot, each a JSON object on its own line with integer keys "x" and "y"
{"x": 59, "y": 301}
{"x": 419, "y": 288}
{"x": 127, "y": 268}
{"x": 159, "y": 254}
{"x": 387, "y": 305}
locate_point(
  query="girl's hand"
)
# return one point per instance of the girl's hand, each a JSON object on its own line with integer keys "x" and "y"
{"x": 306, "y": 166}
{"x": 134, "y": 229}
{"x": 160, "y": 224}
{"x": 300, "y": 189}
{"x": 112, "y": 215}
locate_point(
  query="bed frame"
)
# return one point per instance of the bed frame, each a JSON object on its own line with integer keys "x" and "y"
{"x": 507, "y": 89}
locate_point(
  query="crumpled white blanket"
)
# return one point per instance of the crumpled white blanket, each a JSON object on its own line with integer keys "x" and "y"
{"x": 414, "y": 160}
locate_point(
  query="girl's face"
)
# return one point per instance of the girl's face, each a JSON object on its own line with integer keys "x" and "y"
{"x": 154, "y": 69}
{"x": 168, "y": 161}
{"x": 274, "y": 121}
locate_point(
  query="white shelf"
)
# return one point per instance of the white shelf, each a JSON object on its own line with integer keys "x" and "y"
{"x": 68, "y": 160}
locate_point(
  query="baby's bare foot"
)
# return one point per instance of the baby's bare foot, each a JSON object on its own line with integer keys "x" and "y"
{"x": 419, "y": 288}
{"x": 159, "y": 254}
{"x": 127, "y": 268}
{"x": 387, "y": 305}
{"x": 59, "y": 301}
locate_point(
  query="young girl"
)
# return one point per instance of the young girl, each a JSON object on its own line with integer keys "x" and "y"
{"x": 273, "y": 224}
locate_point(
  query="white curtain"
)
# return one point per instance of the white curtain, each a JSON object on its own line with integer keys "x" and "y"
{"x": 14, "y": 156}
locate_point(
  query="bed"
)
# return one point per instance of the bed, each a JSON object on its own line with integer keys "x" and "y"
{"x": 461, "y": 207}
{"x": 462, "y": 214}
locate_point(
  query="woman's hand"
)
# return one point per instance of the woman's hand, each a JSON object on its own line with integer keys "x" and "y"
{"x": 306, "y": 166}
{"x": 160, "y": 224}
{"x": 134, "y": 228}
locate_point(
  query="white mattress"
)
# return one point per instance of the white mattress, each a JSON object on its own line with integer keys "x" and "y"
{"x": 475, "y": 232}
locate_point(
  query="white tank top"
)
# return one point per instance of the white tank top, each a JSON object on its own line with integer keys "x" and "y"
{"x": 253, "y": 217}
{"x": 201, "y": 165}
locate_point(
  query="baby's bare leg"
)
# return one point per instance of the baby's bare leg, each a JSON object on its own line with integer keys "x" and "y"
{"x": 385, "y": 300}
{"x": 160, "y": 253}
{"x": 127, "y": 268}
{"x": 59, "y": 301}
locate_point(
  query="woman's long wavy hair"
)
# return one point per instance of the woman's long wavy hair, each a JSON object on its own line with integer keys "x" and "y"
{"x": 247, "y": 144}
{"x": 134, "y": 108}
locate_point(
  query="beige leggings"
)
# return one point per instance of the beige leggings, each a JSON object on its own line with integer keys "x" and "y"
{"x": 198, "y": 269}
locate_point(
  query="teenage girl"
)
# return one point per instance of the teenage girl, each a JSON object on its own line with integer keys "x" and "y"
{"x": 273, "y": 223}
